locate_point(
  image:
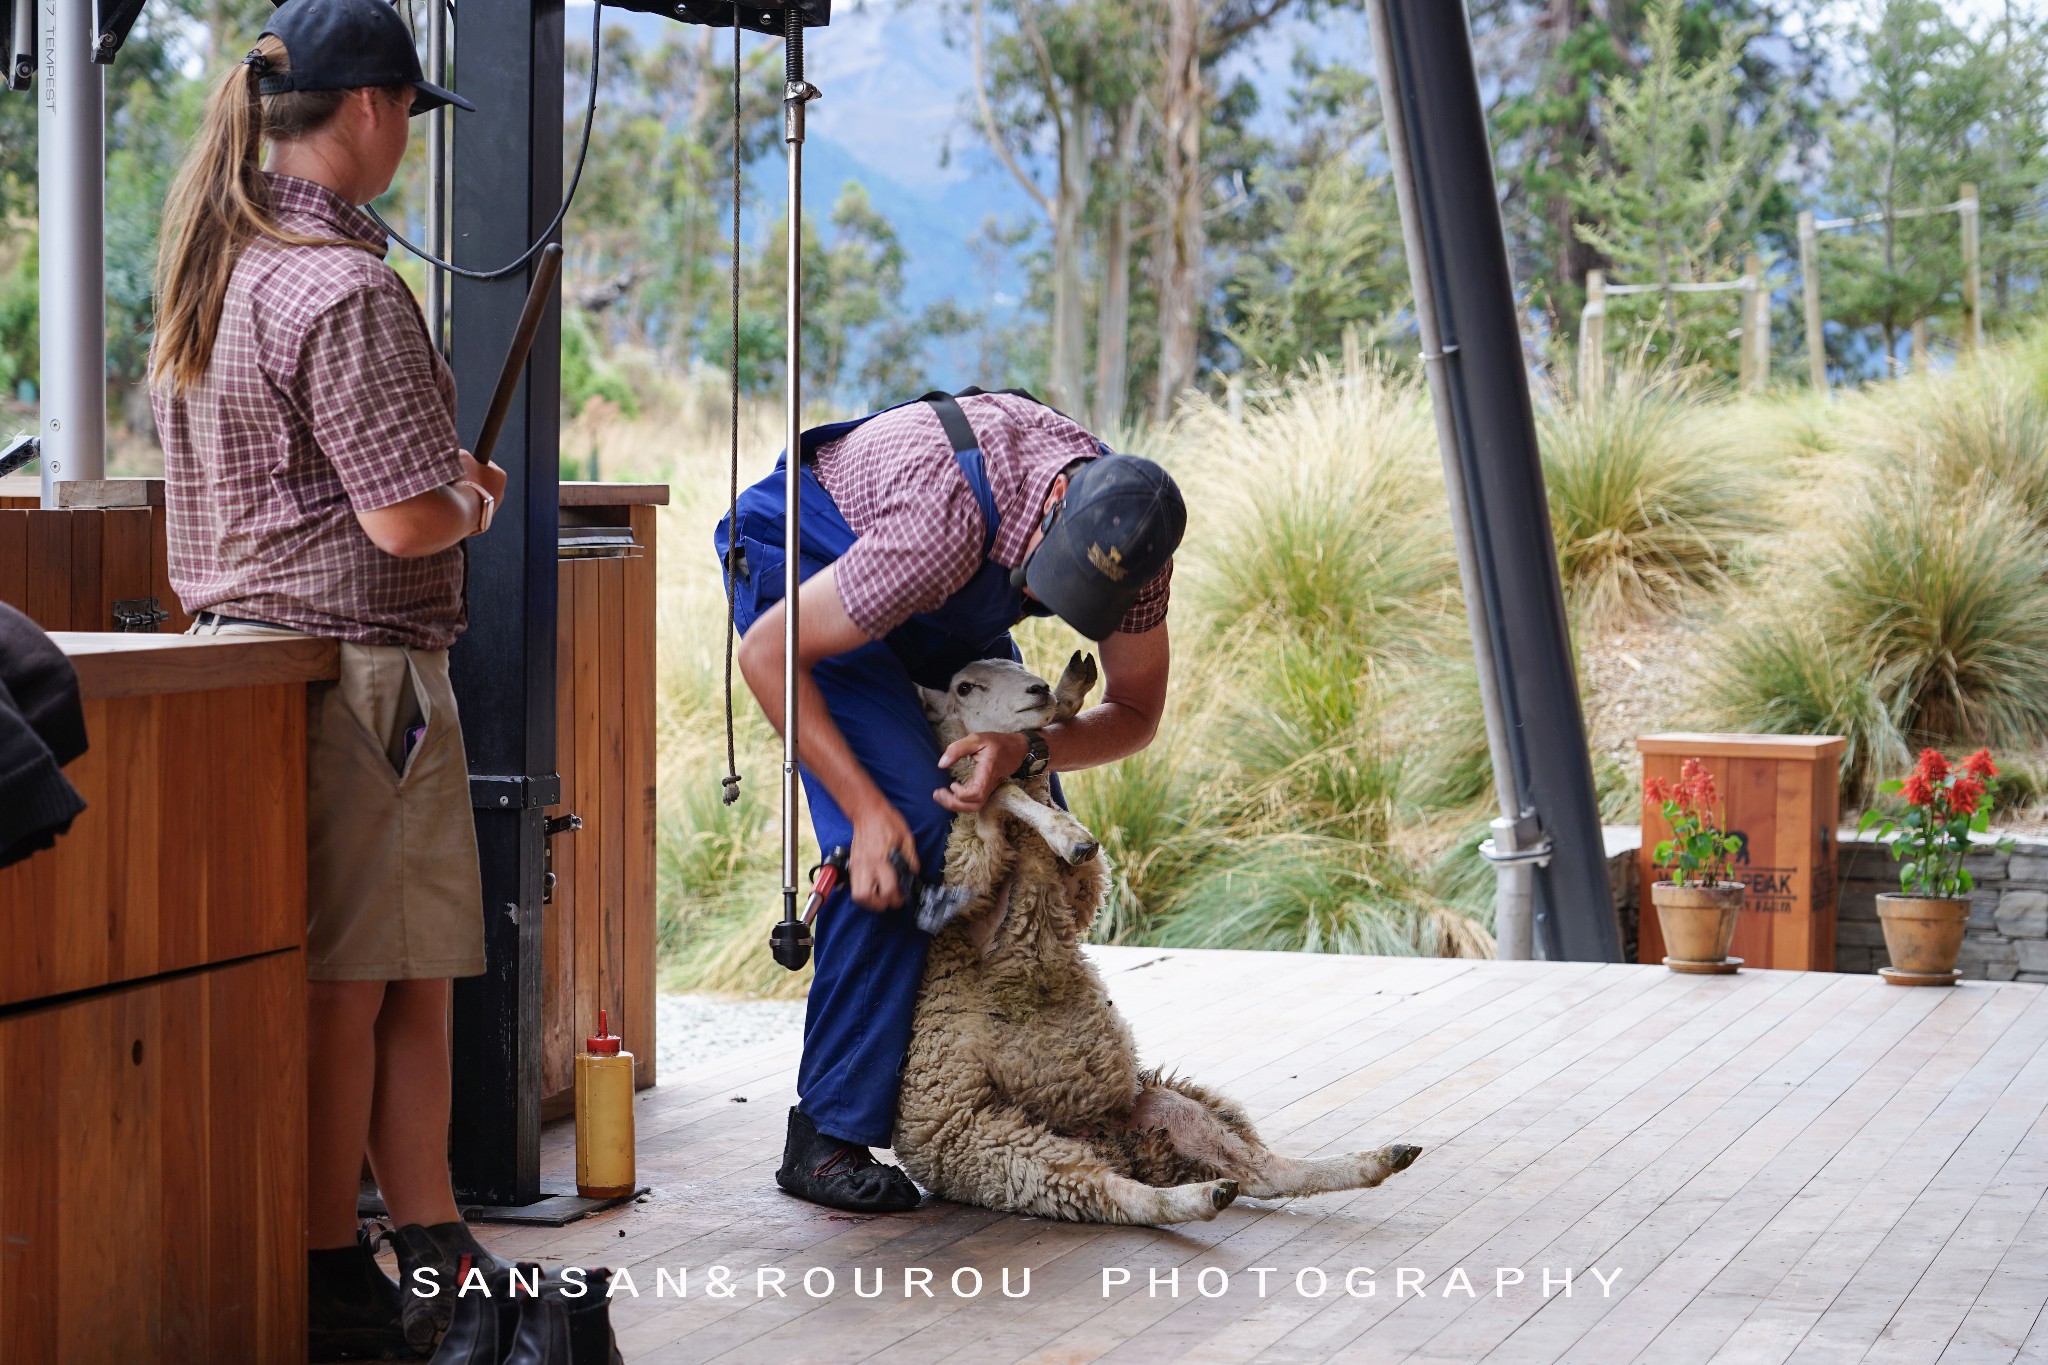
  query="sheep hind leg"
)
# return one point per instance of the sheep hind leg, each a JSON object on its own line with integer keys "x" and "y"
{"x": 1002, "y": 1159}
{"x": 1210, "y": 1134}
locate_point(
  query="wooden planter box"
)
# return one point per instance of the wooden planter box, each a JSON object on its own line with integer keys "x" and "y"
{"x": 1782, "y": 796}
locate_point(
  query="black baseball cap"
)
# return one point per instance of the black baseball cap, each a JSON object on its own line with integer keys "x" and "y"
{"x": 1119, "y": 524}
{"x": 348, "y": 44}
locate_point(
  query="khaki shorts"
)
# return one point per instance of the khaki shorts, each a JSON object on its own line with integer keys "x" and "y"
{"x": 393, "y": 890}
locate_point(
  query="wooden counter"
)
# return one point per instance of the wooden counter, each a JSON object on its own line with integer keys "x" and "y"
{"x": 153, "y": 1015}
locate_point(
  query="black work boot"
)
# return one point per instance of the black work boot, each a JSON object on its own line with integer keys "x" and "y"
{"x": 840, "y": 1175}
{"x": 352, "y": 1310}
{"x": 439, "y": 1246}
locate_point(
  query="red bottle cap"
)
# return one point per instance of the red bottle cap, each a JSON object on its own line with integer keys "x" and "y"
{"x": 606, "y": 1044}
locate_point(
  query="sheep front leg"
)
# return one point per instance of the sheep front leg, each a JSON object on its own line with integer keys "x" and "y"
{"x": 1063, "y": 834}
{"x": 1000, "y": 1158}
{"x": 1208, "y": 1133}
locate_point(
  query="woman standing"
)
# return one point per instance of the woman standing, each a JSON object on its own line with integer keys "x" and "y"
{"x": 315, "y": 483}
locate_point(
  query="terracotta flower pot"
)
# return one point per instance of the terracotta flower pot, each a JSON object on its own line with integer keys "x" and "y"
{"x": 1923, "y": 935}
{"x": 1698, "y": 924}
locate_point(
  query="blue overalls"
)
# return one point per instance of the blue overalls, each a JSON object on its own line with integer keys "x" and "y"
{"x": 869, "y": 965}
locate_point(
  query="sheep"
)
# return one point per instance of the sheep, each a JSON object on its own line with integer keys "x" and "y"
{"x": 1022, "y": 1090}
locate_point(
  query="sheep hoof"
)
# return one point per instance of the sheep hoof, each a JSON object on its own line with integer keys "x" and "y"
{"x": 1222, "y": 1193}
{"x": 1401, "y": 1156}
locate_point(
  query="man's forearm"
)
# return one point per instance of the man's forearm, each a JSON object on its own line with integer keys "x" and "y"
{"x": 824, "y": 749}
{"x": 1102, "y": 734}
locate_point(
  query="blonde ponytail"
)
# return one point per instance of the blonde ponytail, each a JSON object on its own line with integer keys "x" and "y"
{"x": 218, "y": 203}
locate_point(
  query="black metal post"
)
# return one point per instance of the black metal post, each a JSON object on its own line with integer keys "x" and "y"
{"x": 1479, "y": 374}
{"x": 507, "y": 186}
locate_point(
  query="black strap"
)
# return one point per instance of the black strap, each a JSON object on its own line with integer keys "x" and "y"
{"x": 958, "y": 430}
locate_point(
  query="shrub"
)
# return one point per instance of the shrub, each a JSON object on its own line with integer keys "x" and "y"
{"x": 1984, "y": 418}
{"x": 1322, "y": 513}
{"x": 1921, "y": 616}
{"x": 1311, "y": 893}
{"x": 1648, "y": 501}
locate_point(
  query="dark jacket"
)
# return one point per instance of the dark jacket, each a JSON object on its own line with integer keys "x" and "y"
{"x": 42, "y": 727}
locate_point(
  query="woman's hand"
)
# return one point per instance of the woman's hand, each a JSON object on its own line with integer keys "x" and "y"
{"x": 996, "y": 756}
{"x": 490, "y": 476}
{"x": 878, "y": 831}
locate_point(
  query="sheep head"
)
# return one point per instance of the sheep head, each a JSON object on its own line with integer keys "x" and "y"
{"x": 997, "y": 696}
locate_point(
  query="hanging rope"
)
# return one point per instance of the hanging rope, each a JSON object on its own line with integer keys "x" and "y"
{"x": 731, "y": 781}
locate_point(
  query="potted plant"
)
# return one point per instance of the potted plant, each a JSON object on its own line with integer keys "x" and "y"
{"x": 1924, "y": 919}
{"x": 1698, "y": 905}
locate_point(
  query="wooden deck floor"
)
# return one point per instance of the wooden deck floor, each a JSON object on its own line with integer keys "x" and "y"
{"x": 1773, "y": 1166}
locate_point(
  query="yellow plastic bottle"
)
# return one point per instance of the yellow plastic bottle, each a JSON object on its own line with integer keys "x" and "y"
{"x": 604, "y": 1116}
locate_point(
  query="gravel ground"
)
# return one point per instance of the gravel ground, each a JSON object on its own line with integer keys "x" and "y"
{"x": 691, "y": 1030}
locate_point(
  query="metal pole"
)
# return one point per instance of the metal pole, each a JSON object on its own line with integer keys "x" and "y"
{"x": 71, "y": 230}
{"x": 1809, "y": 287}
{"x": 1472, "y": 348}
{"x": 796, "y": 93}
{"x": 507, "y": 185}
{"x": 437, "y": 173}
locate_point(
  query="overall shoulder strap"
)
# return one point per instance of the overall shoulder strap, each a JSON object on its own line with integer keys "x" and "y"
{"x": 967, "y": 453}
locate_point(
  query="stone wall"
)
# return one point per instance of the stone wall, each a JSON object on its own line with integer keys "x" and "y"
{"x": 2007, "y": 939}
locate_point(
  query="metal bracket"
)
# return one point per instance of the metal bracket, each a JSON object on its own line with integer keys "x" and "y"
{"x": 18, "y": 43}
{"x": 139, "y": 614}
{"x": 514, "y": 793}
{"x": 111, "y": 20}
{"x": 1518, "y": 842}
{"x": 550, "y": 827}
{"x": 22, "y": 451}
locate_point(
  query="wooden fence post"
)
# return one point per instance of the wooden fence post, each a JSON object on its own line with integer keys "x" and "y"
{"x": 1809, "y": 279}
{"x": 1593, "y": 338}
{"x": 1918, "y": 356}
{"x": 1233, "y": 402}
{"x": 1973, "y": 280}
{"x": 1755, "y": 355}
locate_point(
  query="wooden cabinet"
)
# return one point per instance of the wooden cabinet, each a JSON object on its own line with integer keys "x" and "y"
{"x": 153, "y": 1018}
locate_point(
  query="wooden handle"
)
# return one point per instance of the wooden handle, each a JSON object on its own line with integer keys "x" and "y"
{"x": 545, "y": 273}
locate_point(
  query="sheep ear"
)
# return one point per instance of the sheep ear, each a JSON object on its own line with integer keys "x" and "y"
{"x": 934, "y": 703}
{"x": 1074, "y": 685}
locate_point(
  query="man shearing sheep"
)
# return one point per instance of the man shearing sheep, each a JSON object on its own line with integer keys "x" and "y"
{"x": 929, "y": 530}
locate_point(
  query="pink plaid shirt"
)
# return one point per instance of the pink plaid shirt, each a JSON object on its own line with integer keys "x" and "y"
{"x": 324, "y": 397}
{"x": 920, "y": 530}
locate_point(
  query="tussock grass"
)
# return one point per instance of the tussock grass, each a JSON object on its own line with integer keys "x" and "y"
{"x": 1986, "y": 419}
{"x": 1322, "y": 515}
{"x": 1651, "y": 501}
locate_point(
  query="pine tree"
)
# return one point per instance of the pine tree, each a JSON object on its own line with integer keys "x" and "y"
{"x": 1908, "y": 139}
{"x": 1671, "y": 194}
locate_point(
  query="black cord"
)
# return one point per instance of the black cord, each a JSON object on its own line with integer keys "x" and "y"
{"x": 568, "y": 197}
{"x": 731, "y": 780}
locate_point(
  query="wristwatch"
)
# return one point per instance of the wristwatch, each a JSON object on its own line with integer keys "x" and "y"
{"x": 490, "y": 506}
{"x": 1037, "y": 754}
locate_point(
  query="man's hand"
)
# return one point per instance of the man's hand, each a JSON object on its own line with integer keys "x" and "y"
{"x": 878, "y": 831}
{"x": 996, "y": 757}
{"x": 490, "y": 476}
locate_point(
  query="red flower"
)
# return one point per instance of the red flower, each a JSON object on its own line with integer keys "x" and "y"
{"x": 1656, "y": 789}
{"x": 1918, "y": 791}
{"x": 1932, "y": 765}
{"x": 1980, "y": 765}
{"x": 1964, "y": 794}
